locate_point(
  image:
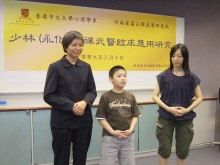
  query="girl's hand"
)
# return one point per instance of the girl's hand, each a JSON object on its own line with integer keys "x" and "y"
{"x": 177, "y": 111}
{"x": 181, "y": 111}
{"x": 173, "y": 110}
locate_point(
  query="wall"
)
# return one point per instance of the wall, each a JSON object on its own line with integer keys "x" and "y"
{"x": 202, "y": 33}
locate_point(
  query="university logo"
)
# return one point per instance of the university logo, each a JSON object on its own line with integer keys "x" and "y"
{"x": 24, "y": 17}
{"x": 25, "y": 13}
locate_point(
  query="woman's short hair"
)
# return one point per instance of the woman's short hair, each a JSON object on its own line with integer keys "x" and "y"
{"x": 69, "y": 37}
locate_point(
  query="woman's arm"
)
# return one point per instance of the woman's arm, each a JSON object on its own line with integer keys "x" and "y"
{"x": 91, "y": 89}
{"x": 51, "y": 96}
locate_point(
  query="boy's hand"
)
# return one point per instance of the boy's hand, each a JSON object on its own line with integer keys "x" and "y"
{"x": 128, "y": 132}
{"x": 119, "y": 134}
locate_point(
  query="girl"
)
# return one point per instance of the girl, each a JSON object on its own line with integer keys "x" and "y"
{"x": 176, "y": 87}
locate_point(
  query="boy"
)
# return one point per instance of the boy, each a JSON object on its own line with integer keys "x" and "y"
{"x": 118, "y": 114}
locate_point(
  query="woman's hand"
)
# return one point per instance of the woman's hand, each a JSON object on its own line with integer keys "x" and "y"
{"x": 79, "y": 107}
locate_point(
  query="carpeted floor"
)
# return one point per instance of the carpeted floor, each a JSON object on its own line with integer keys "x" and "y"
{"x": 199, "y": 156}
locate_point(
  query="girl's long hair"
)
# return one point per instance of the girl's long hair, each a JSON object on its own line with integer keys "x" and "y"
{"x": 185, "y": 54}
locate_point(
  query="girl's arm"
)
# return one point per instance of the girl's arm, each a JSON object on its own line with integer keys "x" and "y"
{"x": 197, "y": 101}
{"x": 158, "y": 101}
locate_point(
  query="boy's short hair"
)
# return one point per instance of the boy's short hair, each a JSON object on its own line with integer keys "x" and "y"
{"x": 115, "y": 69}
{"x": 69, "y": 37}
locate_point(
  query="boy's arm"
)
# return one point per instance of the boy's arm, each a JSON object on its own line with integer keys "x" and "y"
{"x": 108, "y": 128}
{"x": 133, "y": 123}
{"x": 132, "y": 126}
